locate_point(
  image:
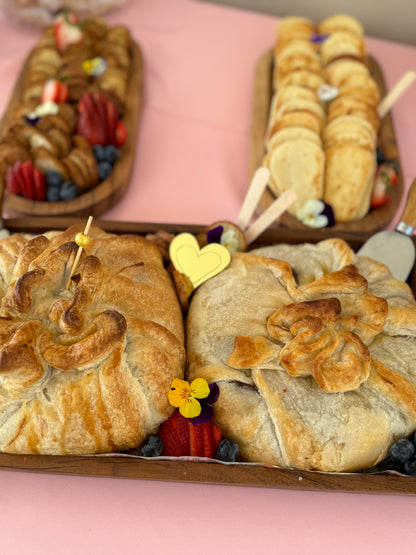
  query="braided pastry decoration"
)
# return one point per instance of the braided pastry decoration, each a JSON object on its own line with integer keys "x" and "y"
{"x": 85, "y": 369}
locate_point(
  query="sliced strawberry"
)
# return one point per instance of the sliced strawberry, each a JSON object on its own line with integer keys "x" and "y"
{"x": 12, "y": 183}
{"x": 174, "y": 433}
{"x": 90, "y": 124}
{"x": 100, "y": 101}
{"x": 66, "y": 33}
{"x": 384, "y": 183}
{"x": 71, "y": 17}
{"x": 18, "y": 176}
{"x": 26, "y": 171}
{"x": 121, "y": 134}
{"x": 112, "y": 120}
{"x": 182, "y": 438}
{"x": 54, "y": 90}
{"x": 40, "y": 184}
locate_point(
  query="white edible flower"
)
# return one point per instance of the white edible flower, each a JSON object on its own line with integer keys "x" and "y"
{"x": 311, "y": 213}
{"x": 230, "y": 240}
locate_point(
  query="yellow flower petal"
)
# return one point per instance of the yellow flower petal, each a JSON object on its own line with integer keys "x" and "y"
{"x": 179, "y": 392}
{"x": 199, "y": 388}
{"x": 190, "y": 408}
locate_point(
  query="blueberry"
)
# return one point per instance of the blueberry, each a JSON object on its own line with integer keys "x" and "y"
{"x": 227, "y": 450}
{"x": 68, "y": 190}
{"x": 111, "y": 153}
{"x": 152, "y": 446}
{"x": 389, "y": 464}
{"x": 53, "y": 178}
{"x": 402, "y": 451}
{"x": 99, "y": 152}
{"x": 52, "y": 194}
{"x": 104, "y": 170}
{"x": 409, "y": 467}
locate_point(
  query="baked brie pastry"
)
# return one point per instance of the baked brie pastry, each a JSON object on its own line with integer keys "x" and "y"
{"x": 314, "y": 351}
{"x": 85, "y": 369}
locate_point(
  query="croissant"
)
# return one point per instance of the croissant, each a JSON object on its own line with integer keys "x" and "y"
{"x": 85, "y": 369}
{"x": 313, "y": 349}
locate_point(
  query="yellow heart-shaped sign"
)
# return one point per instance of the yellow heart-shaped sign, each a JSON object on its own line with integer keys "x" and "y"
{"x": 196, "y": 263}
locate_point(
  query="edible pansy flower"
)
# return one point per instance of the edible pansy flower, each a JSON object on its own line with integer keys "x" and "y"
{"x": 194, "y": 400}
{"x": 95, "y": 67}
{"x": 230, "y": 240}
{"x": 315, "y": 213}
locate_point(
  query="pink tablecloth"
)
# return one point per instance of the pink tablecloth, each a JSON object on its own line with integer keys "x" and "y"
{"x": 191, "y": 167}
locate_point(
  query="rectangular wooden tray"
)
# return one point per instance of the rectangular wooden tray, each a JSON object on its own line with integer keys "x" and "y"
{"x": 207, "y": 472}
{"x": 377, "y": 218}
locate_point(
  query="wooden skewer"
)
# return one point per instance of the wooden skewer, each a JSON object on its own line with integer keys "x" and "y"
{"x": 255, "y": 190}
{"x": 78, "y": 255}
{"x": 399, "y": 88}
{"x": 273, "y": 212}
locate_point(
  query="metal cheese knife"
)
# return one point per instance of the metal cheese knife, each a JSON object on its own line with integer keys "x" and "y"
{"x": 396, "y": 248}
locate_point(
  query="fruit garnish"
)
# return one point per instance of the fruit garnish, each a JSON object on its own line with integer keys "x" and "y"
{"x": 152, "y": 446}
{"x": 24, "y": 179}
{"x": 54, "y": 90}
{"x": 227, "y": 450}
{"x": 384, "y": 183}
{"x": 182, "y": 438}
{"x": 66, "y": 33}
{"x": 401, "y": 457}
{"x": 98, "y": 121}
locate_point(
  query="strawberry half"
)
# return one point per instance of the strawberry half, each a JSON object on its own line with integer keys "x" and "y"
{"x": 182, "y": 438}
{"x": 54, "y": 90}
{"x": 112, "y": 120}
{"x": 66, "y": 33}
{"x": 28, "y": 183}
{"x": 40, "y": 184}
{"x": 90, "y": 124}
{"x": 384, "y": 183}
{"x": 12, "y": 183}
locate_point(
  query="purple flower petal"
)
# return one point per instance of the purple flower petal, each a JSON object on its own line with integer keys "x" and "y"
{"x": 206, "y": 415}
{"x": 32, "y": 120}
{"x": 214, "y": 234}
{"x": 214, "y": 393}
{"x": 318, "y": 39}
{"x": 329, "y": 213}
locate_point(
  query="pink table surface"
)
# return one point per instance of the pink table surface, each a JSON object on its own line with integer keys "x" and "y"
{"x": 191, "y": 167}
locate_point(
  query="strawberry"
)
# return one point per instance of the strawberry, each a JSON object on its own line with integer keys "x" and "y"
{"x": 28, "y": 186}
{"x": 66, "y": 33}
{"x": 90, "y": 124}
{"x": 112, "y": 120}
{"x": 182, "y": 438}
{"x": 40, "y": 184}
{"x": 18, "y": 176}
{"x": 384, "y": 183}
{"x": 12, "y": 183}
{"x": 70, "y": 17}
{"x": 120, "y": 135}
{"x": 54, "y": 90}
{"x": 100, "y": 101}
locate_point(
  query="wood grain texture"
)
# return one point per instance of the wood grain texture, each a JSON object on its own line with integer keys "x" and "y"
{"x": 209, "y": 472}
{"x": 106, "y": 194}
{"x": 377, "y": 218}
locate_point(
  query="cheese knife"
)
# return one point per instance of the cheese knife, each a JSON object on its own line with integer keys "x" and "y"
{"x": 395, "y": 248}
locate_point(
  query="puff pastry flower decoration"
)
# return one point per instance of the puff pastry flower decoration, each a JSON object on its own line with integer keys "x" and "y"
{"x": 194, "y": 400}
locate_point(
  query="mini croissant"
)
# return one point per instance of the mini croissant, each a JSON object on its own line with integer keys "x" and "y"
{"x": 85, "y": 369}
{"x": 313, "y": 349}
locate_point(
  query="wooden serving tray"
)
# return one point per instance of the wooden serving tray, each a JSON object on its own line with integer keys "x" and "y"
{"x": 377, "y": 218}
{"x": 205, "y": 471}
{"x": 106, "y": 194}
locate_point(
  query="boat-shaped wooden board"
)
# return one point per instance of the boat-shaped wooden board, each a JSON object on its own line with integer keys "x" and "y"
{"x": 375, "y": 219}
{"x": 201, "y": 471}
{"x": 106, "y": 194}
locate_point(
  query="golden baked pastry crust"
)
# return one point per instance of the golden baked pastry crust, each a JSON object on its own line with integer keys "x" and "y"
{"x": 85, "y": 370}
{"x": 275, "y": 342}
